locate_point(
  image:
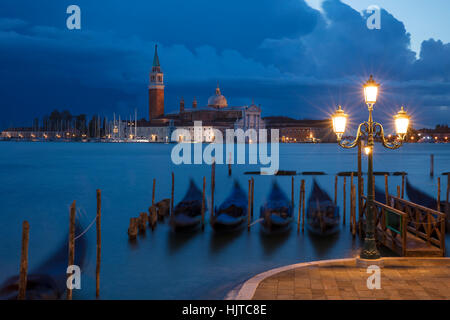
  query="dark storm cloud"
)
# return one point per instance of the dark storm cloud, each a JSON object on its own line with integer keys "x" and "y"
{"x": 290, "y": 58}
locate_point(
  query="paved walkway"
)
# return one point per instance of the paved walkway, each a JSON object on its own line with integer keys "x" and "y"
{"x": 401, "y": 279}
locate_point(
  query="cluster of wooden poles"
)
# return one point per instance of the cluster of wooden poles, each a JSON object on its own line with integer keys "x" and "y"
{"x": 155, "y": 211}
{"x": 71, "y": 258}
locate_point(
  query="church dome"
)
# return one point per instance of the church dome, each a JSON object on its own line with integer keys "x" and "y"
{"x": 217, "y": 101}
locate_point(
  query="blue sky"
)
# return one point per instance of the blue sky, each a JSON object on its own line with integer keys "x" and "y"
{"x": 293, "y": 57}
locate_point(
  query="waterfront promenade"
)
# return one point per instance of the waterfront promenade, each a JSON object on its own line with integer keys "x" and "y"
{"x": 344, "y": 279}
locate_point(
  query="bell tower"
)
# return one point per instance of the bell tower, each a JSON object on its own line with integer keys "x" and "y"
{"x": 156, "y": 89}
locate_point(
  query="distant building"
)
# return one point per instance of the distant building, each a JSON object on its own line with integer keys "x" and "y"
{"x": 292, "y": 130}
{"x": 156, "y": 89}
{"x": 217, "y": 114}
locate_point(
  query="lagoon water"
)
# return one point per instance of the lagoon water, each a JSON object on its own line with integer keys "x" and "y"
{"x": 38, "y": 182}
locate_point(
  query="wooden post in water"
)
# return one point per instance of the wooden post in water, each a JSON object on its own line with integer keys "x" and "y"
{"x": 203, "y": 203}
{"x": 335, "y": 189}
{"x": 438, "y": 194}
{"x": 360, "y": 189}
{"x": 292, "y": 192}
{"x": 299, "y": 208}
{"x": 253, "y": 195}
{"x": 213, "y": 184}
{"x": 249, "y": 204}
{"x": 171, "y": 197}
{"x": 303, "y": 205}
{"x": 431, "y": 164}
{"x": 99, "y": 242}
{"x": 386, "y": 188}
{"x": 229, "y": 166}
{"x": 153, "y": 192}
{"x": 447, "y": 205}
{"x": 403, "y": 185}
{"x": 353, "y": 191}
{"x": 71, "y": 242}
{"x": 343, "y": 213}
{"x": 351, "y": 201}
{"x": 398, "y": 192}
{"x": 361, "y": 208}
{"x": 24, "y": 261}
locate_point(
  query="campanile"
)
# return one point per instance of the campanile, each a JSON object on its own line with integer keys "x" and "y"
{"x": 156, "y": 89}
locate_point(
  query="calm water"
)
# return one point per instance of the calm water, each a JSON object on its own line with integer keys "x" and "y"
{"x": 40, "y": 180}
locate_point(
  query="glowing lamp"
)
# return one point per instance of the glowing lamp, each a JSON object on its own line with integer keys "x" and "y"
{"x": 401, "y": 122}
{"x": 339, "y": 122}
{"x": 371, "y": 91}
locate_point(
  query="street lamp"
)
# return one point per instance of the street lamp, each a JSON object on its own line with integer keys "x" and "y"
{"x": 370, "y": 130}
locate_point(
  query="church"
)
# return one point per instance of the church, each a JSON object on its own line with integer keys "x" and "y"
{"x": 216, "y": 114}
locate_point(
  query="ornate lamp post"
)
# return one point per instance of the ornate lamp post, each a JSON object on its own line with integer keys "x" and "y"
{"x": 370, "y": 130}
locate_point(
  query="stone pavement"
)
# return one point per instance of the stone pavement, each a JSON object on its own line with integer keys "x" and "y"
{"x": 401, "y": 279}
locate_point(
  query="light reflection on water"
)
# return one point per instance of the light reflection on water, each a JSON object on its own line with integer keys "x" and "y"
{"x": 40, "y": 180}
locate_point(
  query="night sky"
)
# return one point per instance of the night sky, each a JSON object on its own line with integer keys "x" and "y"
{"x": 295, "y": 58}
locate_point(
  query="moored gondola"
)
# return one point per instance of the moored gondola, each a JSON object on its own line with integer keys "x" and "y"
{"x": 421, "y": 198}
{"x": 187, "y": 213}
{"x": 322, "y": 215}
{"x": 232, "y": 213}
{"x": 48, "y": 281}
{"x": 277, "y": 212}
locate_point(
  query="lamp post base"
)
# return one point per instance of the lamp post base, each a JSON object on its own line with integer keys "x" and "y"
{"x": 370, "y": 250}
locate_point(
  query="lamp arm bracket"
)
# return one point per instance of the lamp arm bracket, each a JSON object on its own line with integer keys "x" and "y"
{"x": 351, "y": 144}
{"x": 394, "y": 145}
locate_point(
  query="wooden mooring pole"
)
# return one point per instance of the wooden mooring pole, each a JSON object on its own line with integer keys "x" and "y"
{"x": 438, "y": 198}
{"x": 403, "y": 185}
{"x": 361, "y": 209}
{"x": 431, "y": 164}
{"x": 229, "y": 166}
{"x": 335, "y": 189}
{"x": 303, "y": 205}
{"x": 353, "y": 191}
{"x": 386, "y": 188}
{"x": 203, "y": 203}
{"x": 398, "y": 192}
{"x": 249, "y": 205}
{"x": 71, "y": 243}
{"x": 172, "y": 194}
{"x": 344, "y": 211}
{"x": 447, "y": 205}
{"x": 360, "y": 189}
{"x": 24, "y": 261}
{"x": 213, "y": 184}
{"x": 299, "y": 208}
{"x": 153, "y": 192}
{"x": 253, "y": 195}
{"x": 292, "y": 192}
{"x": 351, "y": 201}
{"x": 99, "y": 242}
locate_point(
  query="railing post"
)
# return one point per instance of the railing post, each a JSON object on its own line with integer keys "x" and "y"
{"x": 404, "y": 231}
{"x": 443, "y": 235}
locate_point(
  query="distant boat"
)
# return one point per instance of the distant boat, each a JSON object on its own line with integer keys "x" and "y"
{"x": 322, "y": 215}
{"x": 232, "y": 212}
{"x": 277, "y": 212}
{"x": 48, "y": 281}
{"x": 187, "y": 213}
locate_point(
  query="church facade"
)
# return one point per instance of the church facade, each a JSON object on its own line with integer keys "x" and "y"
{"x": 216, "y": 114}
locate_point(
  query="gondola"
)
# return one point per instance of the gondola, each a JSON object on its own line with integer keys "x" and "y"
{"x": 48, "y": 281}
{"x": 232, "y": 213}
{"x": 187, "y": 213}
{"x": 322, "y": 215}
{"x": 421, "y": 198}
{"x": 277, "y": 212}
